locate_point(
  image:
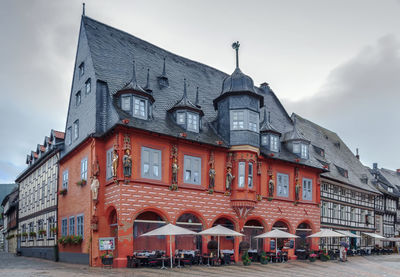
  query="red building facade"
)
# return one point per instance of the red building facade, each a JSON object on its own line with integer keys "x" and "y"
{"x": 164, "y": 160}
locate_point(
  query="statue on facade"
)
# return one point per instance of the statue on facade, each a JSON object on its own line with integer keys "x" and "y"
{"x": 229, "y": 180}
{"x": 94, "y": 187}
{"x": 211, "y": 173}
{"x": 127, "y": 162}
{"x": 96, "y": 168}
{"x": 271, "y": 186}
{"x": 297, "y": 191}
{"x": 114, "y": 163}
{"x": 175, "y": 167}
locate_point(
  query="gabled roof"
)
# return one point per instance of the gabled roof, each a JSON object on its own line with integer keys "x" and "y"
{"x": 294, "y": 134}
{"x": 185, "y": 103}
{"x": 341, "y": 157}
{"x": 266, "y": 125}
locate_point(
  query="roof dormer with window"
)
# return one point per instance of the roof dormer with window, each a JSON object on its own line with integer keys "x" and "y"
{"x": 134, "y": 100}
{"x": 186, "y": 114}
{"x": 297, "y": 143}
{"x": 270, "y": 137}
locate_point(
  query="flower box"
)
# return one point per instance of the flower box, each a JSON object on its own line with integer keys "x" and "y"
{"x": 42, "y": 232}
{"x": 81, "y": 183}
{"x": 63, "y": 192}
{"x": 32, "y": 234}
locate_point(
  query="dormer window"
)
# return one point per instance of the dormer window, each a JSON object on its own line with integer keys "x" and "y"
{"x": 188, "y": 120}
{"x": 140, "y": 107}
{"x": 390, "y": 189}
{"x": 271, "y": 141}
{"x": 81, "y": 69}
{"x": 300, "y": 149}
{"x": 126, "y": 102}
{"x": 244, "y": 120}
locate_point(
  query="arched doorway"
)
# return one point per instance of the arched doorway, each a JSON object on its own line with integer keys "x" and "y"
{"x": 146, "y": 222}
{"x": 113, "y": 223}
{"x": 191, "y": 222}
{"x": 281, "y": 225}
{"x": 251, "y": 229}
{"x": 225, "y": 243}
{"x": 303, "y": 231}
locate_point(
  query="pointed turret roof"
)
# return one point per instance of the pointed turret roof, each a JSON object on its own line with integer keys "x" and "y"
{"x": 133, "y": 85}
{"x": 295, "y": 134}
{"x": 185, "y": 103}
{"x": 266, "y": 125}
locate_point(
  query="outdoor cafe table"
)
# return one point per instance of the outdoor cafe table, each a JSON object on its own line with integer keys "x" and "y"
{"x": 163, "y": 259}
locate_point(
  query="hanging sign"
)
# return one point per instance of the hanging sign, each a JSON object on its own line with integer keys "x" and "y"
{"x": 106, "y": 243}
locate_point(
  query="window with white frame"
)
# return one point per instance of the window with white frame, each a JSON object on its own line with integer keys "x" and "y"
{"x": 79, "y": 225}
{"x": 304, "y": 151}
{"x": 109, "y": 155}
{"x": 181, "y": 117}
{"x": 31, "y": 231}
{"x": 23, "y": 231}
{"x": 192, "y": 122}
{"x": 352, "y": 214}
{"x": 69, "y": 135}
{"x": 84, "y": 162}
{"x": 139, "y": 108}
{"x": 192, "y": 170}
{"x": 76, "y": 129}
{"x": 343, "y": 212}
{"x": 250, "y": 176}
{"x": 324, "y": 210}
{"x": 71, "y": 226}
{"x": 296, "y": 147}
{"x": 88, "y": 86}
{"x": 242, "y": 172}
{"x": 237, "y": 120}
{"x": 274, "y": 143}
{"x": 51, "y": 224}
{"x": 283, "y": 185}
{"x": 264, "y": 140}
{"x": 126, "y": 102}
{"x": 244, "y": 120}
{"x": 39, "y": 229}
{"x": 335, "y": 211}
{"x": 151, "y": 163}
{"x": 64, "y": 227}
{"x": 65, "y": 179}
{"x": 307, "y": 189}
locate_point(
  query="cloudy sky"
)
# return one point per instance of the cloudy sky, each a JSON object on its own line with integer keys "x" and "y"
{"x": 336, "y": 63}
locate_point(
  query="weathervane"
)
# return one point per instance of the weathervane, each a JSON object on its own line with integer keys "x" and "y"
{"x": 236, "y": 46}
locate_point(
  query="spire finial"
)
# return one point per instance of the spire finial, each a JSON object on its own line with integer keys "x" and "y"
{"x": 134, "y": 72}
{"x": 236, "y": 46}
{"x": 83, "y": 8}
{"x": 184, "y": 88}
{"x": 197, "y": 97}
{"x": 163, "y": 71}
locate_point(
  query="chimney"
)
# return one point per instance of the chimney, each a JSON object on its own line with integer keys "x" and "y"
{"x": 357, "y": 156}
{"x": 398, "y": 171}
{"x": 375, "y": 166}
{"x": 265, "y": 87}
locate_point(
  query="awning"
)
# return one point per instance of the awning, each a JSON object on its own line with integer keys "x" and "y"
{"x": 373, "y": 235}
{"x": 326, "y": 233}
{"x": 348, "y": 234}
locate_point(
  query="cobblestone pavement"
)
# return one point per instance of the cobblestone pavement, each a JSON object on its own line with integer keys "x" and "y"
{"x": 356, "y": 266}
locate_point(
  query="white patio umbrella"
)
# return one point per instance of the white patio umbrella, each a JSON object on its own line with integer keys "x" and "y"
{"x": 348, "y": 234}
{"x": 326, "y": 233}
{"x": 219, "y": 231}
{"x": 169, "y": 230}
{"x": 276, "y": 234}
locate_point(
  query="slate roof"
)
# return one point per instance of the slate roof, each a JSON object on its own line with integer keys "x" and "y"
{"x": 336, "y": 154}
{"x": 112, "y": 52}
{"x": 387, "y": 178}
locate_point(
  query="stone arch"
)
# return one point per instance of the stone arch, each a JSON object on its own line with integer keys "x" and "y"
{"x": 254, "y": 226}
{"x": 303, "y": 230}
{"x": 193, "y": 221}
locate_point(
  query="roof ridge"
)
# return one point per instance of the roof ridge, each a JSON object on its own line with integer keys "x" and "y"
{"x": 153, "y": 45}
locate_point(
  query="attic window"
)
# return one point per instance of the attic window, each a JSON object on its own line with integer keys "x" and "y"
{"x": 390, "y": 189}
{"x": 343, "y": 171}
{"x": 88, "y": 86}
{"x": 78, "y": 98}
{"x": 337, "y": 144}
{"x": 324, "y": 164}
{"x": 319, "y": 151}
{"x": 188, "y": 120}
{"x": 81, "y": 69}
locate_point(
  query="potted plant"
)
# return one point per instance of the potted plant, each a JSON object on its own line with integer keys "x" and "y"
{"x": 42, "y": 232}
{"x": 63, "y": 191}
{"x": 246, "y": 259}
{"x": 107, "y": 259}
{"x": 81, "y": 183}
{"x": 312, "y": 257}
{"x": 32, "y": 234}
{"x": 263, "y": 258}
{"x": 62, "y": 240}
{"x": 24, "y": 234}
{"x": 53, "y": 229}
{"x": 324, "y": 257}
